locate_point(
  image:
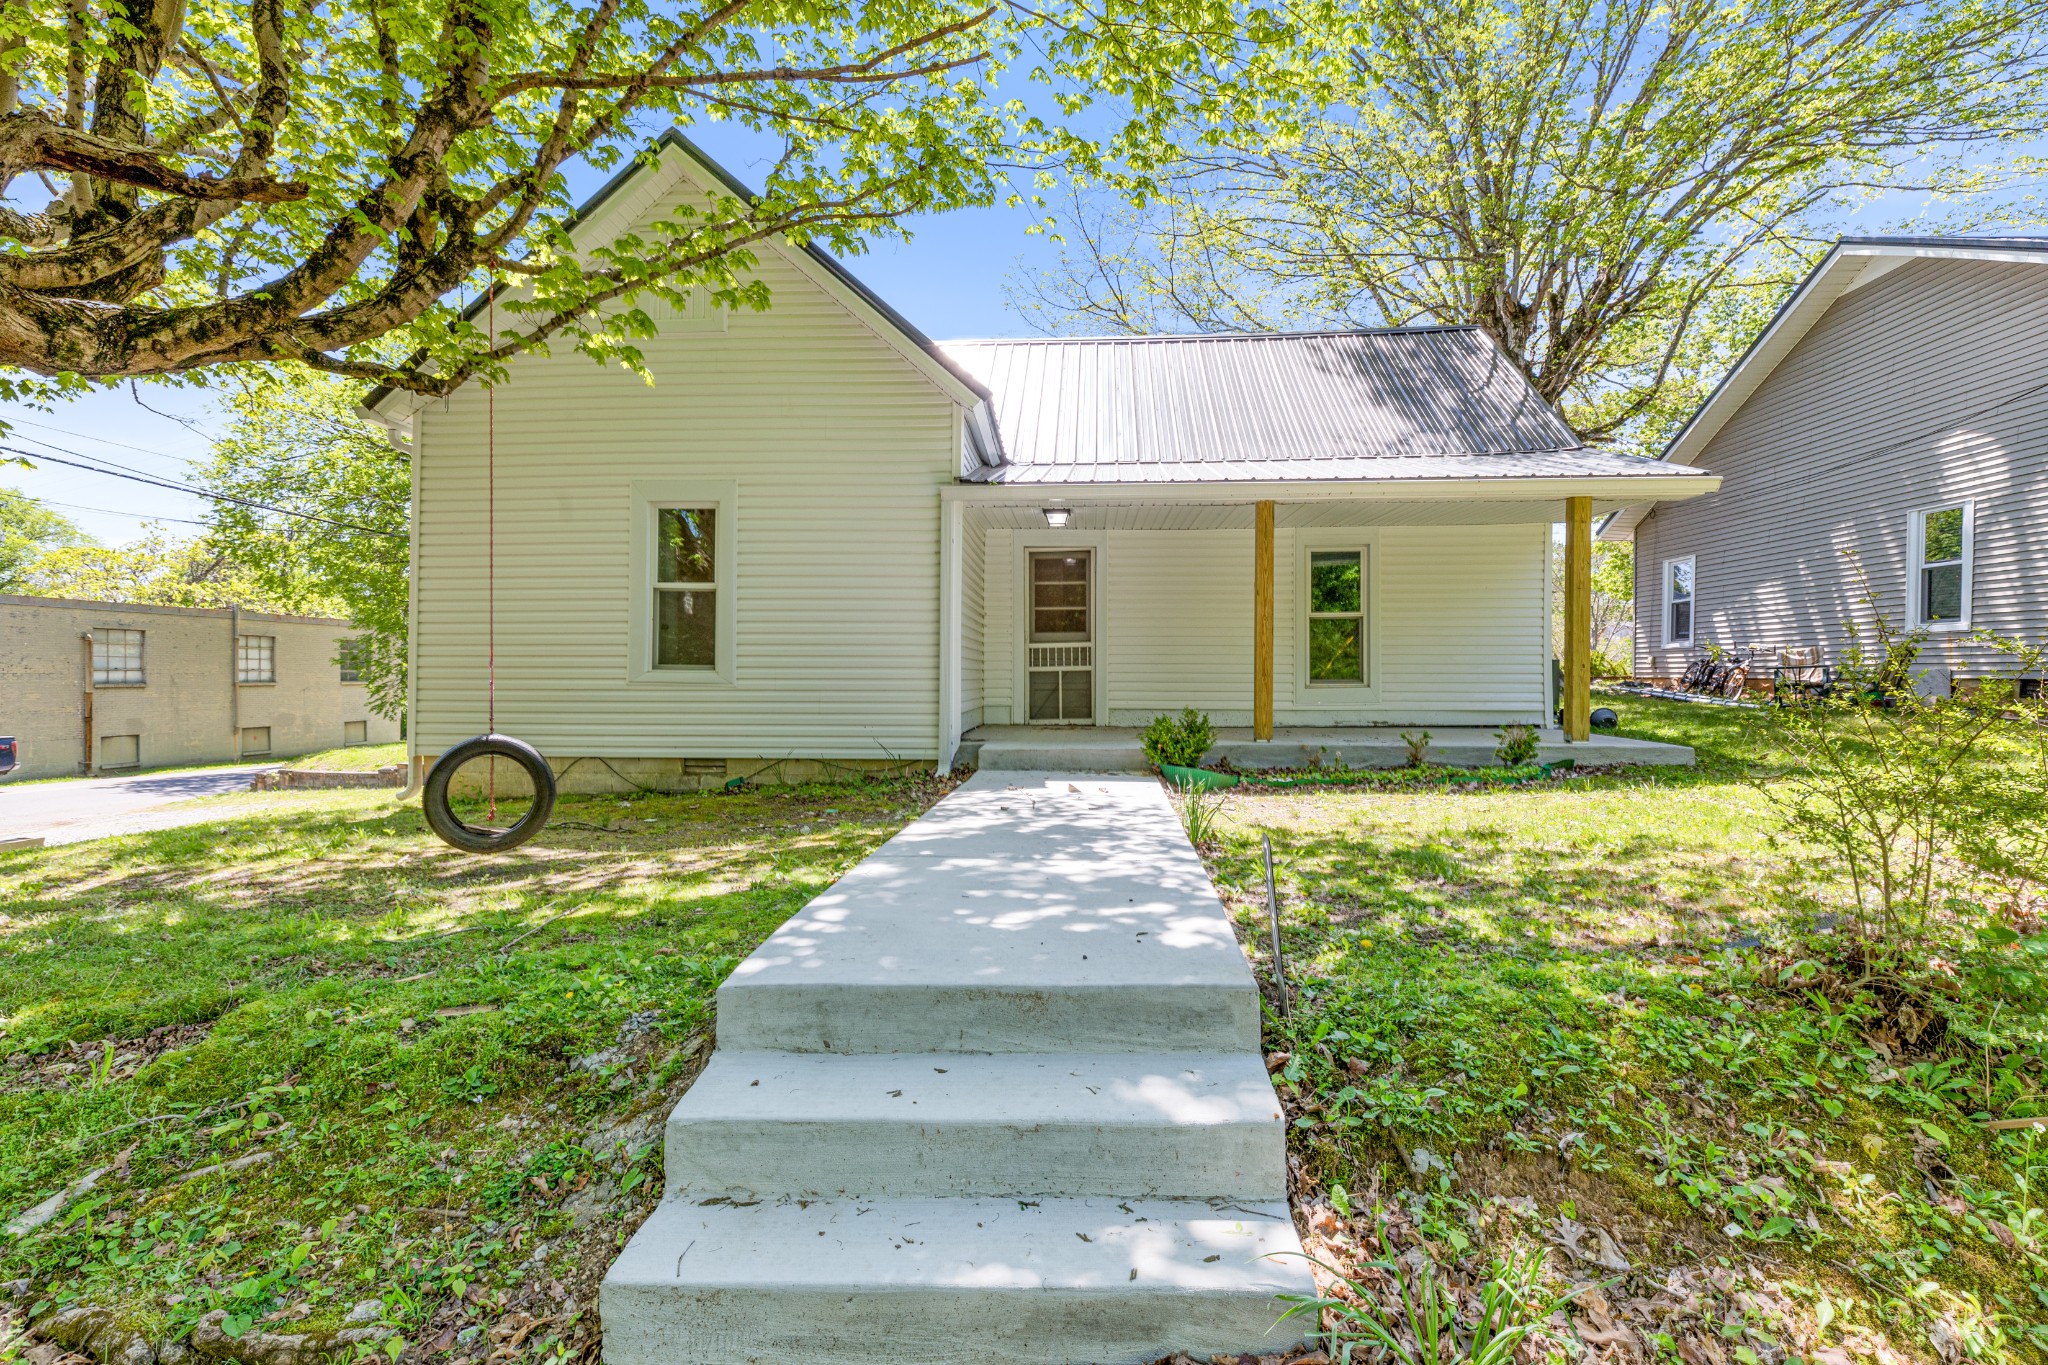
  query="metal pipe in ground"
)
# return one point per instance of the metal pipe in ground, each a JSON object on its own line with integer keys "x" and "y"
{"x": 1273, "y": 918}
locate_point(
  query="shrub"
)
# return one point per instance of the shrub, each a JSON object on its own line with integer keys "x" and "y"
{"x": 1517, "y": 745}
{"x": 1912, "y": 794}
{"x": 1418, "y": 748}
{"x": 1178, "y": 742}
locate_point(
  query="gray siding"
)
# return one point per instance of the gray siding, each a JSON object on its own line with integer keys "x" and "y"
{"x": 1926, "y": 387}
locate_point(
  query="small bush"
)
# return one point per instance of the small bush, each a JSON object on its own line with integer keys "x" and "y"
{"x": 1418, "y": 748}
{"x": 1916, "y": 799}
{"x": 1517, "y": 745}
{"x": 1179, "y": 741}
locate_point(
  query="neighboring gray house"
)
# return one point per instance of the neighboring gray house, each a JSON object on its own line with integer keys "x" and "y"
{"x": 1894, "y": 415}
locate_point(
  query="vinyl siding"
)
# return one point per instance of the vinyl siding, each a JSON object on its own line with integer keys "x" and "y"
{"x": 835, "y": 447}
{"x": 1462, "y": 624}
{"x": 1925, "y": 388}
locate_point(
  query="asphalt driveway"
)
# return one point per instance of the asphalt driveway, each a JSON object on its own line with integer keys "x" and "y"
{"x": 95, "y": 807}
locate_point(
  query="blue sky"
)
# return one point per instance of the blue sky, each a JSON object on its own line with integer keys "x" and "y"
{"x": 948, "y": 280}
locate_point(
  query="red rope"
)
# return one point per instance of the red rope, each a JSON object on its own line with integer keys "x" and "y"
{"x": 491, "y": 526}
{"x": 491, "y": 550}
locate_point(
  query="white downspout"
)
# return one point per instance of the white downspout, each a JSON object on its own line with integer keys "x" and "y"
{"x": 951, "y": 520}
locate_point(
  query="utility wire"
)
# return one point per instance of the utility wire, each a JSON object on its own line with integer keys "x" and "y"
{"x": 137, "y": 476}
{"x": 98, "y": 440}
{"x": 111, "y": 512}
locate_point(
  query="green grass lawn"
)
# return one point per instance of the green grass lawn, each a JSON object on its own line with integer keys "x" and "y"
{"x": 320, "y": 1062}
{"x": 1572, "y": 1017}
{"x": 353, "y": 758}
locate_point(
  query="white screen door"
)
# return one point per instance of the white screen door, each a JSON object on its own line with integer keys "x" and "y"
{"x": 1060, "y": 659}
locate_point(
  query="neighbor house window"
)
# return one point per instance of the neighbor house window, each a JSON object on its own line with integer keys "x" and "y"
{"x": 685, "y": 587}
{"x": 1336, "y": 616}
{"x": 1678, "y": 603}
{"x": 120, "y": 751}
{"x": 355, "y": 732}
{"x": 351, "y": 658}
{"x": 116, "y": 658}
{"x": 256, "y": 659}
{"x": 1941, "y": 575}
{"x": 255, "y": 740}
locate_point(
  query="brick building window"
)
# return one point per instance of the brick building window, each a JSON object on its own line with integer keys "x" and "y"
{"x": 117, "y": 658}
{"x": 256, "y": 660}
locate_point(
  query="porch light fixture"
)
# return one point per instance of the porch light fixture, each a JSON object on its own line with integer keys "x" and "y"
{"x": 1056, "y": 517}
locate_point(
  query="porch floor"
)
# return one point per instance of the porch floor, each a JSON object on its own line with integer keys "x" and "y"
{"x": 1110, "y": 748}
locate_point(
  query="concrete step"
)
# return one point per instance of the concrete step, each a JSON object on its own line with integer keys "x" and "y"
{"x": 1057, "y": 750}
{"x": 939, "y": 1281}
{"x": 1151, "y": 1126}
{"x": 1048, "y": 912}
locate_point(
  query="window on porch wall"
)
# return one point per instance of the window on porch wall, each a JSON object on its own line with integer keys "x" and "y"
{"x": 1336, "y": 616}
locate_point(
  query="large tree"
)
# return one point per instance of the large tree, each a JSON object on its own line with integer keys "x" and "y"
{"x": 156, "y": 568}
{"x": 316, "y": 513}
{"x": 29, "y": 530}
{"x": 1586, "y": 179}
{"x": 193, "y": 183}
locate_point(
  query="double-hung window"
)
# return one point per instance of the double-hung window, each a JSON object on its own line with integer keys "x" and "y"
{"x": 352, "y": 656}
{"x": 117, "y": 658}
{"x": 1678, "y": 601}
{"x": 1941, "y": 566}
{"x": 1336, "y": 617}
{"x": 686, "y": 587}
{"x": 256, "y": 659}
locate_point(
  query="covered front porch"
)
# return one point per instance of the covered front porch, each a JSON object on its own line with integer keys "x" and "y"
{"x": 1017, "y": 748}
{"x": 1320, "y": 540}
{"x": 1322, "y": 619}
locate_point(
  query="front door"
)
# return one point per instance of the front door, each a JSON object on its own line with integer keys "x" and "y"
{"x": 1060, "y": 650}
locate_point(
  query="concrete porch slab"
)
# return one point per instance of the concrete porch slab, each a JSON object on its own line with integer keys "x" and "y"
{"x": 1009, "y": 748}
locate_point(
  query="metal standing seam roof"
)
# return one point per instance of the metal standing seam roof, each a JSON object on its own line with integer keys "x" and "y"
{"x": 1414, "y": 402}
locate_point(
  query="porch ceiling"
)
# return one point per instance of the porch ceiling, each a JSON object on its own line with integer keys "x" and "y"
{"x": 1237, "y": 516}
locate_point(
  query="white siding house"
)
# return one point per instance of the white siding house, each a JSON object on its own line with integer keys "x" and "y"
{"x": 877, "y": 508}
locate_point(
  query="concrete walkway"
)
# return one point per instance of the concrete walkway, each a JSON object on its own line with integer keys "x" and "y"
{"x": 69, "y": 812}
{"x": 997, "y": 1095}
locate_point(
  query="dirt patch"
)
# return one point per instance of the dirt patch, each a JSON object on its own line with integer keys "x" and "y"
{"x": 100, "y": 1061}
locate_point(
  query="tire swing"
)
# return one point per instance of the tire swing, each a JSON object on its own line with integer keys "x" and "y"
{"x": 490, "y": 837}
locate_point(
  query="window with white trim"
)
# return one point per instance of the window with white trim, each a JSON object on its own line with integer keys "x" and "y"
{"x": 1336, "y": 617}
{"x": 685, "y": 587}
{"x": 1941, "y": 566}
{"x": 353, "y": 657}
{"x": 117, "y": 658}
{"x": 1678, "y": 601}
{"x": 256, "y": 658}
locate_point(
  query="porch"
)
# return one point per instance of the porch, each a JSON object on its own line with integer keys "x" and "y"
{"x": 1014, "y": 748}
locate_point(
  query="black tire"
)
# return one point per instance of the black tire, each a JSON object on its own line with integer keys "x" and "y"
{"x": 483, "y": 838}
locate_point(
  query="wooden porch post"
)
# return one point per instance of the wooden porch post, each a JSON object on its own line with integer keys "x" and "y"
{"x": 1262, "y": 623}
{"x": 1578, "y": 618}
